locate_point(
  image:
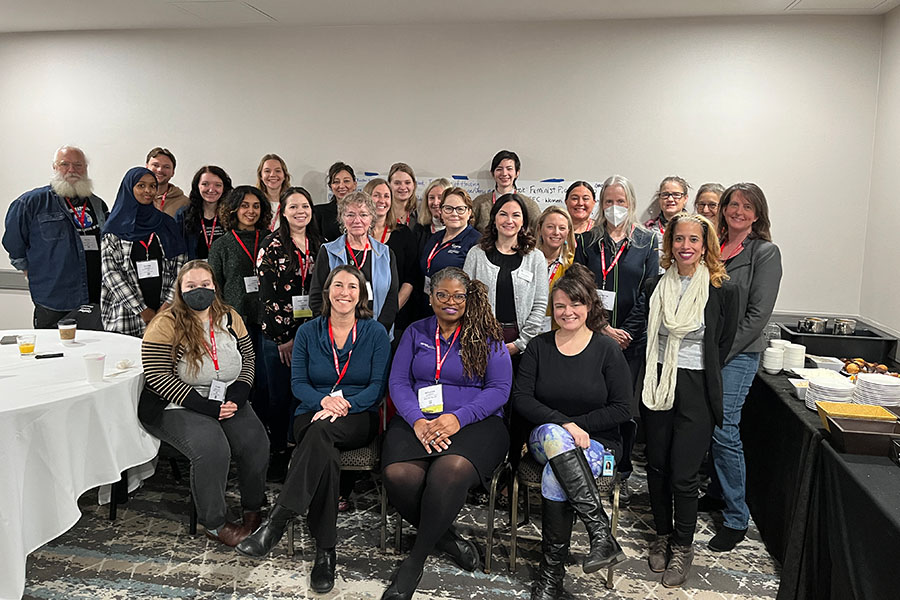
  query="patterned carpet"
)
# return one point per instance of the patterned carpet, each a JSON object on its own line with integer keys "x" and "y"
{"x": 148, "y": 553}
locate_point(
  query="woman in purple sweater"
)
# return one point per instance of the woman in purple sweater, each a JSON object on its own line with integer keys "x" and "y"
{"x": 450, "y": 379}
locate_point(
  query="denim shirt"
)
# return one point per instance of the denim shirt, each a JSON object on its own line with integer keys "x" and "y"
{"x": 40, "y": 237}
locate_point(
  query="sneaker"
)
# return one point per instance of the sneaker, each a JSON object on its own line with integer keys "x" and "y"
{"x": 659, "y": 553}
{"x": 726, "y": 539}
{"x": 679, "y": 566}
{"x": 708, "y": 503}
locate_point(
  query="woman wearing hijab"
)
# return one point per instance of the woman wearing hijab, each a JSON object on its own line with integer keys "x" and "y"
{"x": 141, "y": 252}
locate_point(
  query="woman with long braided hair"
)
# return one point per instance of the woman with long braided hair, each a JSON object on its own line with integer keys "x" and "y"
{"x": 450, "y": 379}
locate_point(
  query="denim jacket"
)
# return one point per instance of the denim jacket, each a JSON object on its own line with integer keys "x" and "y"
{"x": 40, "y": 237}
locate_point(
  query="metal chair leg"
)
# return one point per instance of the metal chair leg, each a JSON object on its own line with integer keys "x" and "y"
{"x": 398, "y": 535}
{"x": 492, "y": 503}
{"x": 614, "y": 524}
{"x": 513, "y": 520}
{"x": 290, "y": 537}
{"x": 382, "y": 498}
{"x": 192, "y": 524}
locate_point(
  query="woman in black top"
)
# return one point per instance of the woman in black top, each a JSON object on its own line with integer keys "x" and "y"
{"x": 199, "y": 220}
{"x": 285, "y": 264}
{"x": 341, "y": 181}
{"x": 573, "y": 389}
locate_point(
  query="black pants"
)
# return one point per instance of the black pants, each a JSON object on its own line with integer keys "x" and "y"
{"x": 314, "y": 473}
{"x": 46, "y": 318}
{"x": 677, "y": 440}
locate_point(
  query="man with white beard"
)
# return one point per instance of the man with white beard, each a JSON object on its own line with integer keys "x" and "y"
{"x": 53, "y": 236}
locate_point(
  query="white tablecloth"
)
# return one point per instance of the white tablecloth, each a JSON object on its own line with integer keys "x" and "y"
{"x": 61, "y": 436}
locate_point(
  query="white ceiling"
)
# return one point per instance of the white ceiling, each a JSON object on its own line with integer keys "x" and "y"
{"x": 61, "y": 15}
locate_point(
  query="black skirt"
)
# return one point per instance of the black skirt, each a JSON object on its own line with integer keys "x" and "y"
{"x": 484, "y": 443}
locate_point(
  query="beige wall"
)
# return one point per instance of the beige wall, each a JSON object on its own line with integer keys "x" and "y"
{"x": 880, "y": 294}
{"x": 787, "y": 102}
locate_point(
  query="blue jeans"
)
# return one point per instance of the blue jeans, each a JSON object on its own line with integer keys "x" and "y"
{"x": 548, "y": 441}
{"x": 730, "y": 477}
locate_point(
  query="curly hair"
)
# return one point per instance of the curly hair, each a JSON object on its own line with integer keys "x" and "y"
{"x": 524, "y": 240}
{"x": 194, "y": 211}
{"x": 229, "y": 206}
{"x": 480, "y": 332}
{"x": 579, "y": 284}
{"x": 711, "y": 258}
{"x": 189, "y": 333}
{"x": 356, "y": 198}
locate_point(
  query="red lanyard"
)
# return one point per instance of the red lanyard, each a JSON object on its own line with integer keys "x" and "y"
{"x": 734, "y": 252}
{"x": 359, "y": 265}
{"x": 255, "y": 245}
{"x": 340, "y": 372}
{"x": 437, "y": 248}
{"x": 590, "y": 225}
{"x": 384, "y": 233}
{"x": 162, "y": 202}
{"x": 304, "y": 262}
{"x": 603, "y": 268}
{"x": 274, "y": 224}
{"x": 83, "y": 211}
{"x": 213, "y": 352}
{"x": 556, "y": 266}
{"x": 146, "y": 245}
{"x": 212, "y": 231}
{"x": 437, "y": 350}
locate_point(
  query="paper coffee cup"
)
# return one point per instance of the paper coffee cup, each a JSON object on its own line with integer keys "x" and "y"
{"x": 67, "y": 329}
{"x": 93, "y": 364}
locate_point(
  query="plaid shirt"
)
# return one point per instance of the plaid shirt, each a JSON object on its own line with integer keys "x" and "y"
{"x": 121, "y": 303}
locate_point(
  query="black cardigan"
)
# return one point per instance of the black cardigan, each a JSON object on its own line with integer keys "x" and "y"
{"x": 721, "y": 319}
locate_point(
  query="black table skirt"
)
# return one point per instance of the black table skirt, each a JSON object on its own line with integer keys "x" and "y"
{"x": 832, "y": 520}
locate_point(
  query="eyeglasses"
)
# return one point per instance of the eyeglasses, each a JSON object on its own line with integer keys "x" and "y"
{"x": 351, "y": 216}
{"x": 449, "y": 210}
{"x": 672, "y": 195}
{"x": 711, "y": 205}
{"x": 445, "y": 297}
{"x": 63, "y": 164}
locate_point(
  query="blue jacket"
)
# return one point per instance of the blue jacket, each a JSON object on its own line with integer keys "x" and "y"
{"x": 40, "y": 238}
{"x": 312, "y": 366}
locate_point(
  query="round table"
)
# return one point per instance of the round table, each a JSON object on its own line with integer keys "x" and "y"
{"x": 61, "y": 436}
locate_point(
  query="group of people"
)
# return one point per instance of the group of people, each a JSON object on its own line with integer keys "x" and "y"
{"x": 492, "y": 328}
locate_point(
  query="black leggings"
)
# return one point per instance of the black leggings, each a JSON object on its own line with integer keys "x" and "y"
{"x": 677, "y": 440}
{"x": 429, "y": 494}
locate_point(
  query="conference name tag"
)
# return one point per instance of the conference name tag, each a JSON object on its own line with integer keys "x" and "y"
{"x": 337, "y": 393}
{"x": 431, "y": 398}
{"x": 547, "y": 324}
{"x": 370, "y": 292}
{"x": 301, "y": 308}
{"x": 427, "y": 287}
{"x": 525, "y": 275}
{"x": 251, "y": 284}
{"x": 217, "y": 390}
{"x": 89, "y": 242}
{"x": 147, "y": 269}
{"x": 607, "y": 299}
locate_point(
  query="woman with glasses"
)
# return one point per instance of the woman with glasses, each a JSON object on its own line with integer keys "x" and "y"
{"x": 669, "y": 200}
{"x": 356, "y": 246}
{"x": 449, "y": 381}
{"x": 706, "y": 202}
{"x": 448, "y": 248}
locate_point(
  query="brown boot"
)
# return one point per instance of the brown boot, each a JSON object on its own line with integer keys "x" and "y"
{"x": 229, "y": 534}
{"x": 659, "y": 553}
{"x": 252, "y": 521}
{"x": 679, "y": 566}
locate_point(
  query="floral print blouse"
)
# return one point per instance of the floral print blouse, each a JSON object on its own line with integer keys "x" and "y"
{"x": 279, "y": 283}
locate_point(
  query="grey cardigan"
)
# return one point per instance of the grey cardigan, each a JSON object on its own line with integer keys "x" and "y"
{"x": 530, "y": 283}
{"x": 756, "y": 273}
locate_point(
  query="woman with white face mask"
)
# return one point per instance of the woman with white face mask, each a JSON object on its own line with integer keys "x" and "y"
{"x": 622, "y": 256}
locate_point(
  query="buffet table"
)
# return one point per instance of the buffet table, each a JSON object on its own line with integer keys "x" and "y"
{"x": 61, "y": 436}
{"x": 831, "y": 519}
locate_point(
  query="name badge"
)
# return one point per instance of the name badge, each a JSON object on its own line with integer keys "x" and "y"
{"x": 217, "y": 390}
{"x": 547, "y": 324}
{"x": 609, "y": 465}
{"x": 251, "y": 284}
{"x": 431, "y": 398}
{"x": 89, "y": 242}
{"x": 337, "y": 393}
{"x": 147, "y": 269}
{"x": 607, "y": 299}
{"x": 525, "y": 275}
{"x": 427, "y": 287}
{"x": 370, "y": 292}
{"x": 301, "y": 308}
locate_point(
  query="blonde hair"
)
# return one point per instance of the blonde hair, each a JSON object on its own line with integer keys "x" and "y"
{"x": 390, "y": 219}
{"x": 568, "y": 249}
{"x": 405, "y": 168}
{"x": 424, "y": 212}
{"x": 711, "y": 256}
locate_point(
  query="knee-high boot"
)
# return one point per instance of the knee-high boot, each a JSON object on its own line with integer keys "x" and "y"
{"x": 574, "y": 475}
{"x": 556, "y": 532}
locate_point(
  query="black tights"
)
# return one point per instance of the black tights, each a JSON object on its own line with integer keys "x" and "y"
{"x": 439, "y": 485}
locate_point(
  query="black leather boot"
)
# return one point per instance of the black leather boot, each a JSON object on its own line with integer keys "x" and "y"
{"x": 574, "y": 475}
{"x": 556, "y": 532}
{"x": 321, "y": 580}
{"x": 264, "y": 539}
{"x": 463, "y": 552}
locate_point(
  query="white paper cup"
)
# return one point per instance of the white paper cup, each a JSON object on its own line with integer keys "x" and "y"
{"x": 93, "y": 364}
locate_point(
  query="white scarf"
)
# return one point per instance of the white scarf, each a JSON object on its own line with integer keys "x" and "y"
{"x": 681, "y": 316}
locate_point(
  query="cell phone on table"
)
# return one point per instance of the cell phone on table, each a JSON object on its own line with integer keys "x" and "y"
{"x": 8, "y": 339}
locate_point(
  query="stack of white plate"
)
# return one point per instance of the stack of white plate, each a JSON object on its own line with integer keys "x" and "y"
{"x": 794, "y": 356}
{"x": 773, "y": 361}
{"x": 873, "y": 388}
{"x": 828, "y": 390}
{"x": 780, "y": 344}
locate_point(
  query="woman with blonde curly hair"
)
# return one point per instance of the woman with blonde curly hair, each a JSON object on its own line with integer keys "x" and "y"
{"x": 693, "y": 318}
{"x": 198, "y": 362}
{"x": 556, "y": 239}
{"x": 450, "y": 379}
